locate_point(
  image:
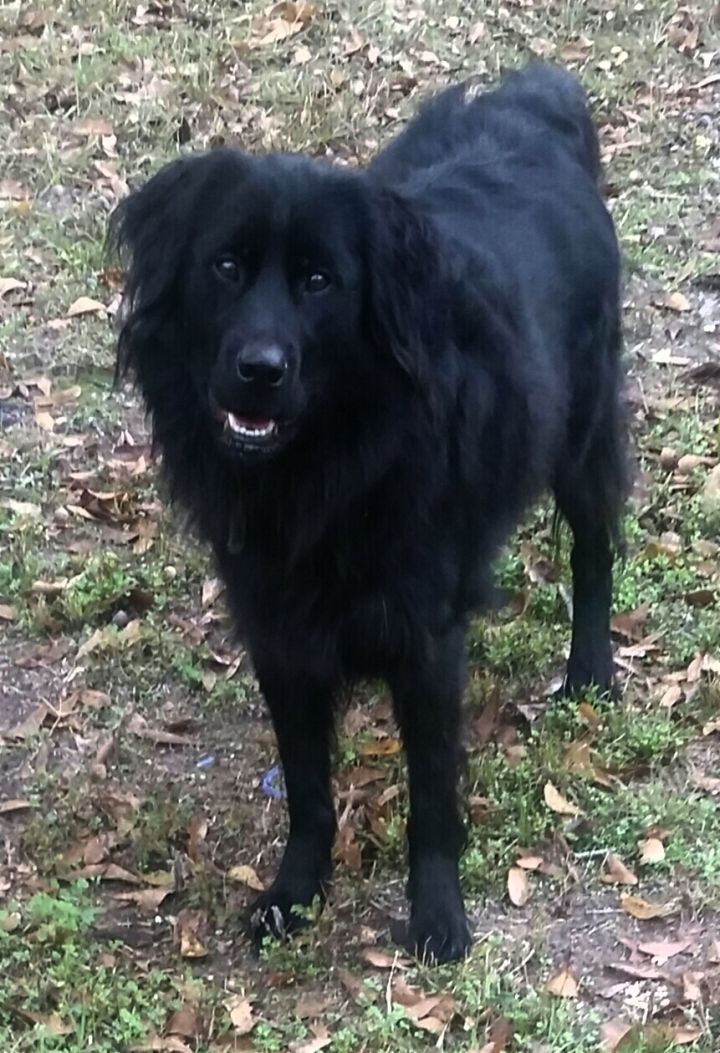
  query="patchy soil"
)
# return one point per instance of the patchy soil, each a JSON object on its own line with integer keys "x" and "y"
{"x": 140, "y": 802}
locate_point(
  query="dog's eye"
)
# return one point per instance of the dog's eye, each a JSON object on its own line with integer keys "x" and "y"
{"x": 317, "y": 281}
{"x": 228, "y": 268}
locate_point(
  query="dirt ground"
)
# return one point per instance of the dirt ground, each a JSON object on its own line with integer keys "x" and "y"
{"x": 140, "y": 801}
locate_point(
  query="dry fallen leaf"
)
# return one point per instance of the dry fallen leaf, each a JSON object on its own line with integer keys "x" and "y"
{"x": 241, "y": 1014}
{"x": 22, "y": 508}
{"x": 675, "y": 301}
{"x": 15, "y": 805}
{"x": 692, "y": 990}
{"x": 557, "y": 803}
{"x": 652, "y": 850}
{"x": 381, "y": 748}
{"x": 518, "y": 886}
{"x": 246, "y": 876}
{"x": 161, "y": 1044}
{"x": 147, "y": 899}
{"x": 91, "y": 126}
{"x": 321, "y": 1038}
{"x": 662, "y": 950}
{"x": 107, "y": 872}
{"x": 140, "y": 727}
{"x": 562, "y": 985}
{"x": 184, "y": 1021}
{"x": 52, "y": 1022}
{"x": 10, "y": 285}
{"x": 212, "y": 589}
{"x": 642, "y": 910}
{"x": 612, "y": 1034}
{"x": 190, "y": 929}
{"x": 616, "y": 873}
{"x": 309, "y": 1005}
{"x": 85, "y": 305}
{"x": 383, "y": 959}
{"x": 499, "y": 1035}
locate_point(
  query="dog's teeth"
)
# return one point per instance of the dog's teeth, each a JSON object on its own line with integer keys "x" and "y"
{"x": 259, "y": 431}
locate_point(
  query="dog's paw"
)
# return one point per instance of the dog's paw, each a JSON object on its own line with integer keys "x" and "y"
{"x": 592, "y": 670}
{"x": 282, "y": 911}
{"x": 438, "y": 935}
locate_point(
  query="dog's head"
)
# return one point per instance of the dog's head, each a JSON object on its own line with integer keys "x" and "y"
{"x": 266, "y": 293}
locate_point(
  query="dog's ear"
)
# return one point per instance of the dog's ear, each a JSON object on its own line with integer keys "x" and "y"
{"x": 147, "y": 233}
{"x": 407, "y": 297}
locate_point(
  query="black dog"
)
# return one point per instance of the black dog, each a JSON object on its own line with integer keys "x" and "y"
{"x": 357, "y": 381}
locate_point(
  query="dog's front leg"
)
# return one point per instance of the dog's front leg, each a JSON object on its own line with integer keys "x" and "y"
{"x": 302, "y": 712}
{"x": 427, "y": 692}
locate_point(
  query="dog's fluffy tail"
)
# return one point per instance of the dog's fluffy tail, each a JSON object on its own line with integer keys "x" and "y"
{"x": 552, "y": 95}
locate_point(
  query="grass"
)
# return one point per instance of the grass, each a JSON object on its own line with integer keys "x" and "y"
{"x": 337, "y": 88}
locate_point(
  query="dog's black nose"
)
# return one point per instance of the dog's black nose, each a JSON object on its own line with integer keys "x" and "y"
{"x": 262, "y": 365}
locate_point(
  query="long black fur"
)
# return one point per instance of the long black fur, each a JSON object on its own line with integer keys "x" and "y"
{"x": 464, "y": 359}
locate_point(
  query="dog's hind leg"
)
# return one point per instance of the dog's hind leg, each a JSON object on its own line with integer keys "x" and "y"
{"x": 591, "y": 496}
{"x": 427, "y": 692}
{"x": 302, "y": 714}
{"x": 591, "y": 661}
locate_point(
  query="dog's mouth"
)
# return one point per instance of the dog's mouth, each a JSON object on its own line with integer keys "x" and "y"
{"x": 248, "y": 435}
{"x": 255, "y": 429}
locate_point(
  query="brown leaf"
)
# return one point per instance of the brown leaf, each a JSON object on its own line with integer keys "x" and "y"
{"x": 690, "y": 461}
{"x": 85, "y": 305}
{"x": 8, "y": 613}
{"x": 616, "y": 873}
{"x": 212, "y": 589}
{"x": 387, "y": 747}
{"x": 642, "y": 910}
{"x": 15, "y": 805}
{"x": 674, "y": 301}
{"x": 294, "y": 11}
{"x": 30, "y": 725}
{"x": 159, "y": 1044}
{"x": 662, "y": 950}
{"x": 498, "y": 1037}
{"x": 184, "y": 1021}
{"x": 612, "y": 1033}
{"x": 530, "y": 861}
{"x": 52, "y": 1022}
{"x": 652, "y": 850}
{"x": 190, "y": 929}
{"x": 309, "y": 1005}
{"x": 701, "y": 597}
{"x": 147, "y": 899}
{"x": 486, "y": 724}
{"x": 21, "y": 508}
{"x": 557, "y": 803}
{"x": 590, "y": 716}
{"x": 107, "y": 872}
{"x": 518, "y": 886}
{"x": 353, "y": 985}
{"x": 241, "y": 1014}
{"x": 631, "y": 624}
{"x": 321, "y": 1038}
{"x": 10, "y": 285}
{"x": 88, "y": 126}
{"x": 671, "y": 696}
{"x": 246, "y": 876}
{"x": 562, "y": 985}
{"x": 638, "y": 970}
{"x": 140, "y": 727}
{"x": 692, "y": 990}
{"x": 380, "y": 959}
